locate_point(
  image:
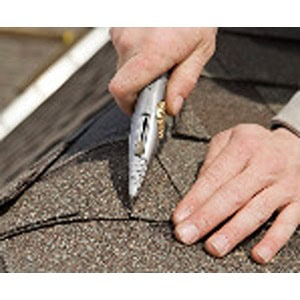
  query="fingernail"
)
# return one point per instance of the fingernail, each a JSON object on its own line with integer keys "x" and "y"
{"x": 220, "y": 243}
{"x": 177, "y": 104}
{"x": 264, "y": 253}
{"x": 187, "y": 233}
{"x": 182, "y": 214}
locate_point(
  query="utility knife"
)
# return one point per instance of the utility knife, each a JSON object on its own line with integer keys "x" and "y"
{"x": 146, "y": 131}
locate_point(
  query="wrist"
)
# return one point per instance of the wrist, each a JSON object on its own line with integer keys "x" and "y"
{"x": 289, "y": 116}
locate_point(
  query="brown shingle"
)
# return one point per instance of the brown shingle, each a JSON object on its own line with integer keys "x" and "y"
{"x": 285, "y": 33}
{"x": 259, "y": 60}
{"x": 220, "y": 105}
{"x": 275, "y": 97}
{"x": 20, "y": 58}
{"x": 76, "y": 215}
{"x": 80, "y": 98}
{"x": 128, "y": 246}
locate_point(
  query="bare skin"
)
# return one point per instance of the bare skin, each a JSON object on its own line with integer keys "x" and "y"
{"x": 249, "y": 172}
{"x": 146, "y": 53}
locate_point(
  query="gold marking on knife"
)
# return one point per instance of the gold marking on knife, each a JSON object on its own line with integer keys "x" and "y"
{"x": 161, "y": 119}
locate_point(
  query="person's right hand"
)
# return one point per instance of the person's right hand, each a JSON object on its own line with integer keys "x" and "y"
{"x": 146, "y": 53}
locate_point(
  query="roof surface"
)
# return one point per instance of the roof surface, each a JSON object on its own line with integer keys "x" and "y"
{"x": 70, "y": 210}
{"x": 26, "y": 52}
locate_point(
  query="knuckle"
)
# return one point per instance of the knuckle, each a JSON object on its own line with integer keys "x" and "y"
{"x": 149, "y": 61}
{"x": 270, "y": 165}
{"x": 290, "y": 185}
{"x": 116, "y": 89}
{"x": 246, "y": 138}
{"x": 213, "y": 142}
{"x": 113, "y": 87}
{"x": 260, "y": 211}
{"x": 210, "y": 177}
{"x": 249, "y": 129}
{"x": 207, "y": 46}
{"x": 219, "y": 137}
{"x": 122, "y": 41}
{"x": 211, "y": 49}
{"x": 203, "y": 223}
{"x": 224, "y": 195}
{"x": 113, "y": 31}
{"x": 244, "y": 147}
{"x": 124, "y": 45}
{"x": 275, "y": 165}
{"x": 190, "y": 81}
{"x": 152, "y": 61}
{"x": 232, "y": 195}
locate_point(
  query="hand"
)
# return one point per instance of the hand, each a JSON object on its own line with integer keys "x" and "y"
{"x": 146, "y": 53}
{"x": 249, "y": 173}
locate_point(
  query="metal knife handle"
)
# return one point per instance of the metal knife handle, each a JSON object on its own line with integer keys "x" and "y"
{"x": 146, "y": 126}
{"x": 148, "y": 115}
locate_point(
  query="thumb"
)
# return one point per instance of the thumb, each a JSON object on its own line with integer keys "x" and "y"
{"x": 183, "y": 80}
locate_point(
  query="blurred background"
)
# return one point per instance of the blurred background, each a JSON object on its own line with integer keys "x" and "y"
{"x": 26, "y": 52}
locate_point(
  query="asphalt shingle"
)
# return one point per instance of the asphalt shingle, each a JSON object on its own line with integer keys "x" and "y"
{"x": 259, "y": 60}
{"x": 74, "y": 214}
{"x": 221, "y": 104}
{"x": 65, "y": 111}
{"x": 87, "y": 185}
{"x": 128, "y": 246}
{"x": 20, "y": 58}
{"x": 182, "y": 159}
{"x": 267, "y": 32}
{"x": 188, "y": 124}
{"x": 275, "y": 97}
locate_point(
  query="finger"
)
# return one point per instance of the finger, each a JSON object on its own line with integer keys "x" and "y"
{"x": 246, "y": 221}
{"x": 124, "y": 58}
{"x": 216, "y": 146}
{"x": 183, "y": 80}
{"x": 278, "y": 235}
{"x": 223, "y": 203}
{"x": 230, "y": 162}
{"x": 135, "y": 74}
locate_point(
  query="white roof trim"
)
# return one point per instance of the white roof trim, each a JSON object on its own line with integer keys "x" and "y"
{"x": 51, "y": 80}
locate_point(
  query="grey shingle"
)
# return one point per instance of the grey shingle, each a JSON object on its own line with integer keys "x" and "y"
{"x": 75, "y": 215}
{"x": 182, "y": 159}
{"x": 188, "y": 124}
{"x": 266, "y": 32}
{"x": 220, "y": 105}
{"x": 251, "y": 59}
{"x": 275, "y": 97}
{"x": 157, "y": 197}
{"x": 128, "y": 246}
{"x": 65, "y": 111}
{"x": 20, "y": 59}
{"x": 91, "y": 184}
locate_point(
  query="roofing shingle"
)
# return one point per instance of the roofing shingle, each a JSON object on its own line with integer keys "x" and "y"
{"x": 259, "y": 60}
{"x": 74, "y": 214}
{"x": 128, "y": 246}
{"x": 20, "y": 58}
{"x": 269, "y": 32}
{"x": 65, "y": 111}
{"x": 221, "y": 104}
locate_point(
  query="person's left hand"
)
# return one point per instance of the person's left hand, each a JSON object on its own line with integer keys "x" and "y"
{"x": 248, "y": 174}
